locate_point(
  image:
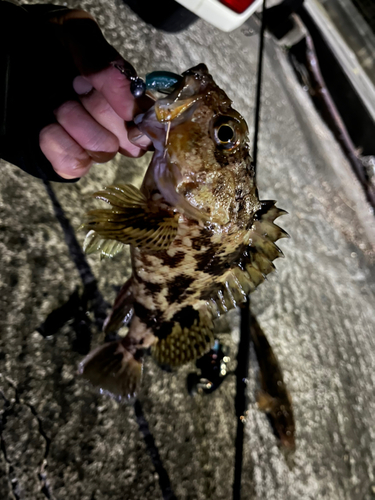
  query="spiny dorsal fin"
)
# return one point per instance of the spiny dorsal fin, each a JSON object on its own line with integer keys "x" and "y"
{"x": 269, "y": 211}
{"x": 129, "y": 222}
{"x": 264, "y": 221}
{"x": 264, "y": 235}
{"x": 233, "y": 291}
{"x": 255, "y": 264}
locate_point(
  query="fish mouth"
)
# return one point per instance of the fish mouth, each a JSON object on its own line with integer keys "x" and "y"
{"x": 157, "y": 122}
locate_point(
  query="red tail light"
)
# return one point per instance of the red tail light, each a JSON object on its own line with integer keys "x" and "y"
{"x": 238, "y": 6}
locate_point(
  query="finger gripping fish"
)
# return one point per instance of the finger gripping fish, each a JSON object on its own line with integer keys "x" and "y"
{"x": 200, "y": 238}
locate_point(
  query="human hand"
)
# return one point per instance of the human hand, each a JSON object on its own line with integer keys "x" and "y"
{"x": 92, "y": 127}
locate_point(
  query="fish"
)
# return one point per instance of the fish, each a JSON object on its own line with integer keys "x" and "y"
{"x": 200, "y": 238}
{"x": 273, "y": 398}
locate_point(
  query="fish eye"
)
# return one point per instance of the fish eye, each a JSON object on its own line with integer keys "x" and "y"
{"x": 226, "y": 133}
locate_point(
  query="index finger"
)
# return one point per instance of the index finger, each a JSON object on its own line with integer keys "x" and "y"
{"x": 115, "y": 87}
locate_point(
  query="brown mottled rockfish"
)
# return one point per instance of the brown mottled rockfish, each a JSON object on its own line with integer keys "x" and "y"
{"x": 200, "y": 238}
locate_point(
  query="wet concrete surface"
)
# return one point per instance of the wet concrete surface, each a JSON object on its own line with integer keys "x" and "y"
{"x": 60, "y": 439}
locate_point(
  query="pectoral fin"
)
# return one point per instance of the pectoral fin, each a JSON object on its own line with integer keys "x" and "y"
{"x": 122, "y": 310}
{"x": 129, "y": 222}
{"x": 107, "y": 248}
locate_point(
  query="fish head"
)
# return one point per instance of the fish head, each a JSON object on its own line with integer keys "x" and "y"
{"x": 202, "y": 165}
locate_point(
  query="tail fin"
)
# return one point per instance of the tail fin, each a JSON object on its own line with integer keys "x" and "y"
{"x": 113, "y": 369}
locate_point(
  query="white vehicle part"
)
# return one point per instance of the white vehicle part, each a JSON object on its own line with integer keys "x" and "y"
{"x": 218, "y": 14}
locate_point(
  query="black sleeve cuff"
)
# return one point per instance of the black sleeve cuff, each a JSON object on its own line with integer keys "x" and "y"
{"x": 36, "y": 75}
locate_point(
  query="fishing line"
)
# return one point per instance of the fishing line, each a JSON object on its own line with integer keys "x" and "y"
{"x": 89, "y": 282}
{"x": 244, "y": 343}
{"x": 164, "y": 481}
{"x": 240, "y": 399}
{"x": 259, "y": 89}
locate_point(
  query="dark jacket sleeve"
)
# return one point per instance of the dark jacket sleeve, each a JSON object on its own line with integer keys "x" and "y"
{"x": 36, "y": 76}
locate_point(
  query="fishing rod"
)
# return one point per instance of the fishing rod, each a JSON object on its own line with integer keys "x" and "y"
{"x": 243, "y": 354}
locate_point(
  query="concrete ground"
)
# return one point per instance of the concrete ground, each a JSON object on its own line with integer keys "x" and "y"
{"x": 62, "y": 440}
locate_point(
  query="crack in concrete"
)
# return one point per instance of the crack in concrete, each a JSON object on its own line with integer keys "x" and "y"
{"x": 12, "y": 479}
{"x": 42, "y": 473}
